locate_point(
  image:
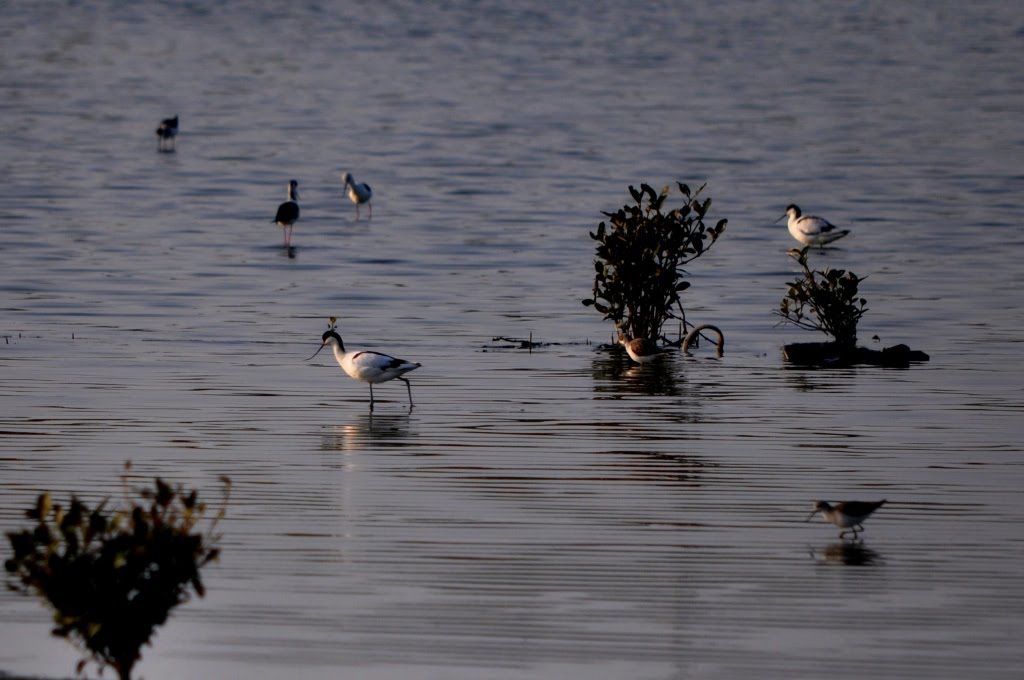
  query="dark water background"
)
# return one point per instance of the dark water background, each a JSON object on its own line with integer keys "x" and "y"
{"x": 554, "y": 514}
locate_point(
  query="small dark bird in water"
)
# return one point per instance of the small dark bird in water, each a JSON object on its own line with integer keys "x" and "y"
{"x": 846, "y": 514}
{"x": 166, "y": 133}
{"x": 288, "y": 212}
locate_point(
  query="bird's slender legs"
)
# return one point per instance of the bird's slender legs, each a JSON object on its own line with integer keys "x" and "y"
{"x": 369, "y": 207}
{"x": 357, "y": 212}
{"x": 409, "y": 388}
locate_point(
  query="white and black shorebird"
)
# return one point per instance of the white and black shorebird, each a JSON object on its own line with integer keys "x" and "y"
{"x": 810, "y": 230}
{"x": 358, "y": 192}
{"x": 370, "y": 367}
{"x": 846, "y": 514}
{"x": 288, "y": 212}
{"x": 166, "y": 133}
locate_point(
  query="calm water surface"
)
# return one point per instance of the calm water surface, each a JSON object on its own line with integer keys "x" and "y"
{"x": 554, "y": 514}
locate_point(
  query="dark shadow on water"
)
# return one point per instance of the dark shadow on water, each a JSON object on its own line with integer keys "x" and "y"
{"x": 651, "y": 467}
{"x": 813, "y": 379}
{"x": 847, "y": 553}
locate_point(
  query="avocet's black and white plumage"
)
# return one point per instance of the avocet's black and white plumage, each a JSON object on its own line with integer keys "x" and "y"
{"x": 166, "y": 133}
{"x": 370, "y": 367}
{"x": 846, "y": 514}
{"x": 288, "y": 212}
{"x": 810, "y": 230}
{"x": 358, "y": 192}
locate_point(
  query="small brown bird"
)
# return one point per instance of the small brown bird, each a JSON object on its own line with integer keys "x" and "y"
{"x": 846, "y": 514}
{"x": 641, "y": 350}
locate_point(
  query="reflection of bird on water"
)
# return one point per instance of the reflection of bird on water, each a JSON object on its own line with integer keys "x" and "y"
{"x": 845, "y": 514}
{"x": 614, "y": 378}
{"x": 849, "y": 553}
{"x": 166, "y": 133}
{"x": 288, "y": 212}
{"x": 811, "y": 230}
{"x": 366, "y": 431}
{"x": 358, "y": 192}
{"x": 641, "y": 350}
{"x": 370, "y": 367}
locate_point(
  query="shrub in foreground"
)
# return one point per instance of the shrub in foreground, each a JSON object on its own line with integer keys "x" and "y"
{"x": 112, "y": 576}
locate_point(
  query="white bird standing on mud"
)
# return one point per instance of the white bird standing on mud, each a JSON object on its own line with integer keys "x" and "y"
{"x": 810, "y": 230}
{"x": 370, "y": 367}
{"x": 358, "y": 192}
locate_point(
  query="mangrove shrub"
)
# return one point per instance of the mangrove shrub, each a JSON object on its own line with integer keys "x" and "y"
{"x": 642, "y": 249}
{"x": 824, "y": 300}
{"x": 112, "y": 576}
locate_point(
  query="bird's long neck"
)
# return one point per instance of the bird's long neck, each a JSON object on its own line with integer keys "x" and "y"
{"x": 339, "y": 349}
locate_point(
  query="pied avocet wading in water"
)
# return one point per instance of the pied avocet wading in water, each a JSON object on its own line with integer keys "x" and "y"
{"x": 810, "y": 230}
{"x": 370, "y": 367}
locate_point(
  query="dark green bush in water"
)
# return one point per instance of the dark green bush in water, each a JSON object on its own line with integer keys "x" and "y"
{"x": 825, "y": 301}
{"x": 641, "y": 253}
{"x": 112, "y": 576}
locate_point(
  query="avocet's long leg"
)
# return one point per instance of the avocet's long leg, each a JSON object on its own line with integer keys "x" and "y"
{"x": 409, "y": 388}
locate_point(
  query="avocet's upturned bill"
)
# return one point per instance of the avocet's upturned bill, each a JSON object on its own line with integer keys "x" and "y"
{"x": 810, "y": 230}
{"x": 288, "y": 212}
{"x": 369, "y": 367}
{"x": 358, "y": 193}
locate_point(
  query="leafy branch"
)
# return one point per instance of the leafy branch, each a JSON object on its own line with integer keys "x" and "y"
{"x": 112, "y": 577}
{"x": 824, "y": 300}
{"x": 641, "y": 253}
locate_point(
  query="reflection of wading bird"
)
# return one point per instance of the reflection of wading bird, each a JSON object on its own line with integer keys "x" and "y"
{"x": 846, "y": 514}
{"x": 166, "y": 133}
{"x": 288, "y": 212}
{"x": 370, "y": 367}
{"x": 358, "y": 192}
{"x": 811, "y": 230}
